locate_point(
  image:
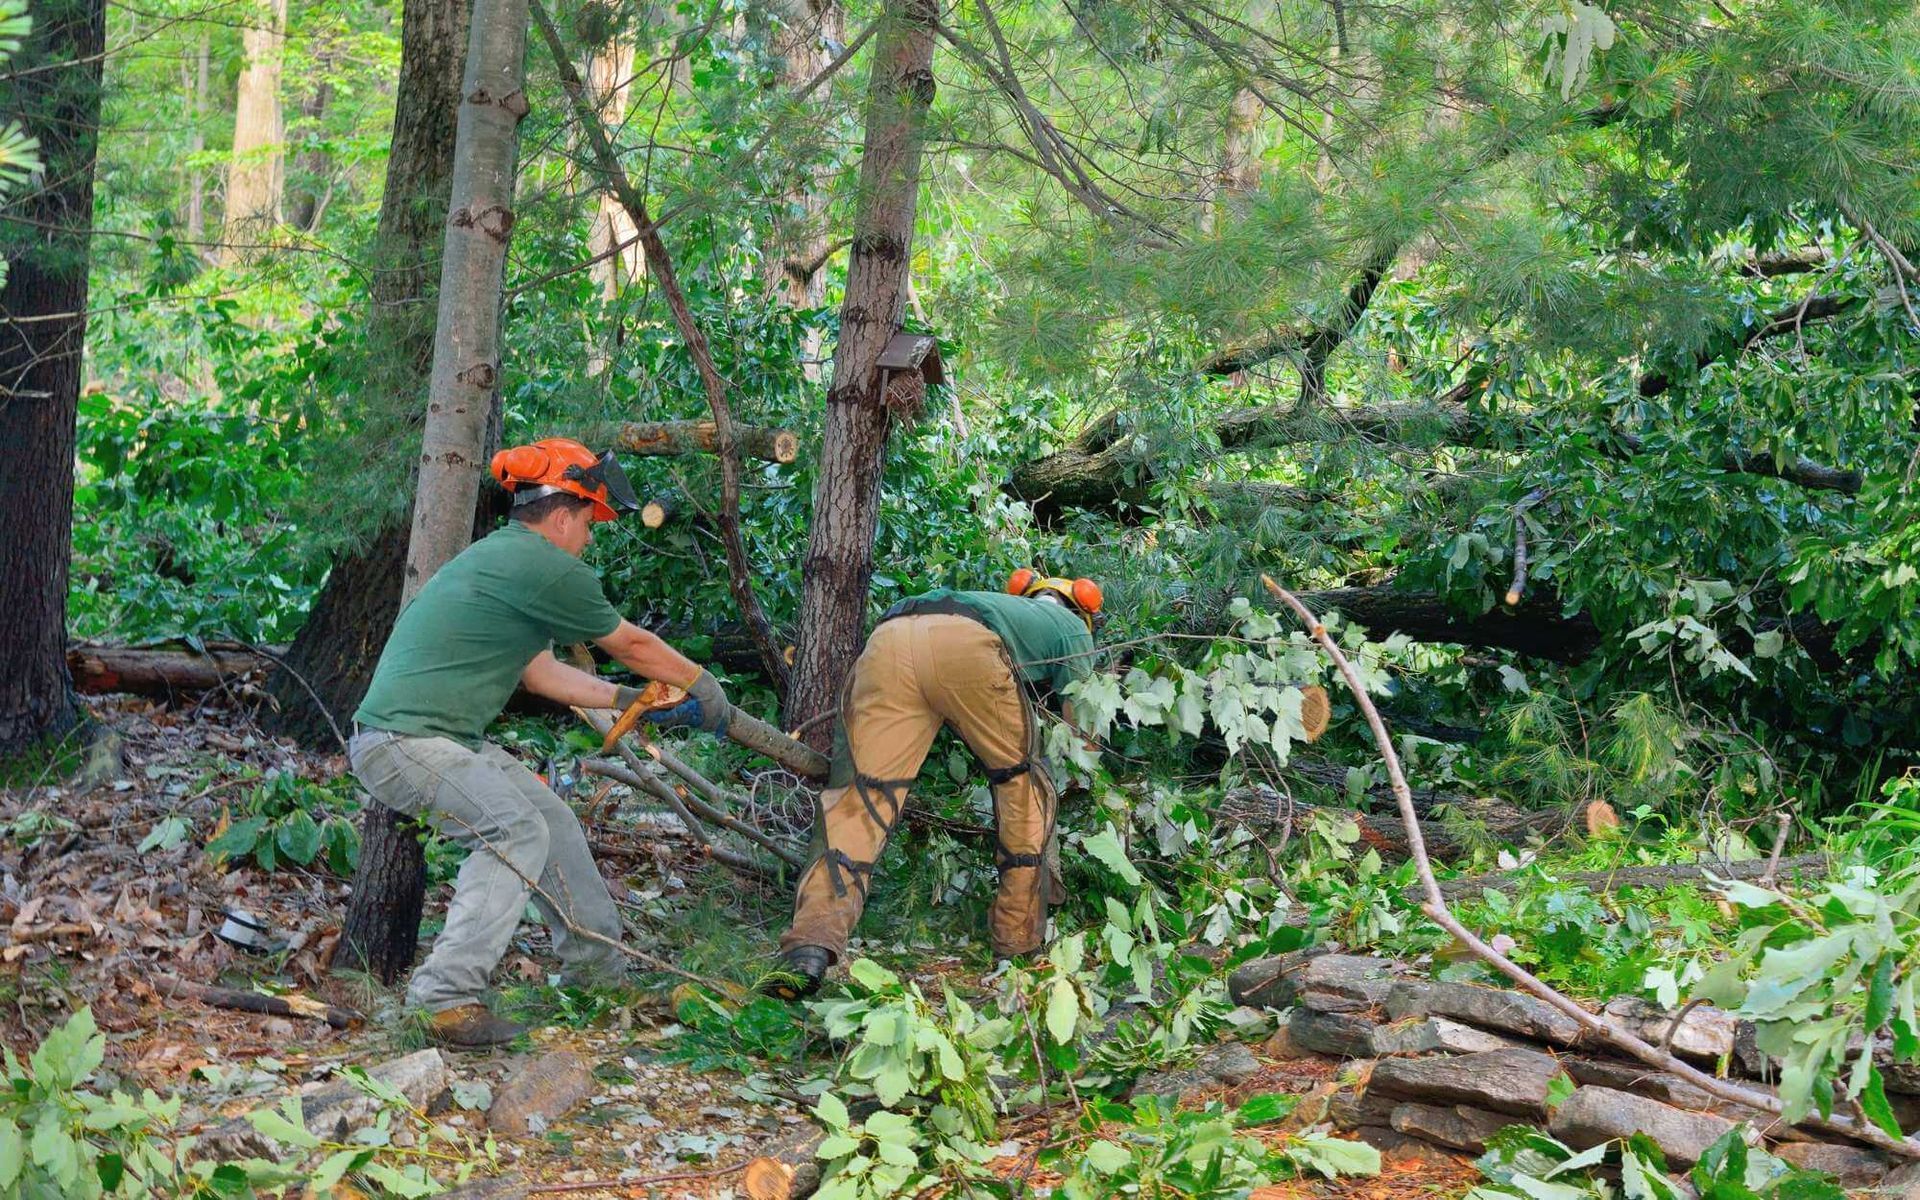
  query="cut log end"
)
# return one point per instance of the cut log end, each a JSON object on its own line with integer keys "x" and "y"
{"x": 768, "y": 1179}
{"x": 653, "y": 514}
{"x": 786, "y": 446}
{"x": 1513, "y": 597}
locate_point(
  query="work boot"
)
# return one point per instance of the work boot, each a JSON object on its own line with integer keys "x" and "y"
{"x": 471, "y": 1026}
{"x": 798, "y": 973}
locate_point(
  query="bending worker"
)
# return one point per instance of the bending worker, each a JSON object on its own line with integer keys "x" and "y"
{"x": 485, "y": 622}
{"x": 965, "y": 659}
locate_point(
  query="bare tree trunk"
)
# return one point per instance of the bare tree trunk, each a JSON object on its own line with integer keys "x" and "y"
{"x": 53, "y": 89}
{"x": 256, "y": 173}
{"x": 846, "y": 500}
{"x": 795, "y": 265}
{"x": 1239, "y": 162}
{"x": 466, "y": 347}
{"x": 614, "y": 241}
{"x": 311, "y": 164}
{"x": 196, "y": 145}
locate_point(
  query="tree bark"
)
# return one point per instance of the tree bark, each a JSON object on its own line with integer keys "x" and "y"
{"x": 311, "y": 164}
{"x": 846, "y": 501}
{"x": 614, "y": 241}
{"x": 1239, "y": 169}
{"x": 197, "y": 143}
{"x": 53, "y": 88}
{"x": 338, "y": 646}
{"x": 669, "y": 438}
{"x": 256, "y": 173}
{"x": 382, "y": 928}
{"x": 802, "y": 36}
{"x": 466, "y": 348}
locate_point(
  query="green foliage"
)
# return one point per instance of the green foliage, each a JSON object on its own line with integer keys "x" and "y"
{"x": 1824, "y": 980}
{"x": 1153, "y": 1148}
{"x": 61, "y": 1139}
{"x": 1526, "y": 1164}
{"x": 294, "y": 821}
{"x": 723, "y": 1038}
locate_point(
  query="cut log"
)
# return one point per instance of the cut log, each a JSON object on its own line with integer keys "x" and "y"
{"x": 698, "y": 437}
{"x": 658, "y": 511}
{"x": 164, "y": 669}
{"x": 788, "y": 1169}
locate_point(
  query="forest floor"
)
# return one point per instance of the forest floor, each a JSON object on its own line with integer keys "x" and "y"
{"x": 106, "y": 888}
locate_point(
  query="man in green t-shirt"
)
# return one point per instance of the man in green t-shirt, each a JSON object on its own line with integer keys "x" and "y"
{"x": 976, "y": 661}
{"x": 486, "y": 621}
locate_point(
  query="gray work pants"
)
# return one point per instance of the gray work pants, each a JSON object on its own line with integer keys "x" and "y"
{"x": 517, "y": 830}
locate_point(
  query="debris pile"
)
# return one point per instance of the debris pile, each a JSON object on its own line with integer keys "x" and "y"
{"x": 1452, "y": 1063}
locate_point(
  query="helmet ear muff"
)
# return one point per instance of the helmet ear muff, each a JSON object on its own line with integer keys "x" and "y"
{"x": 1087, "y": 594}
{"x": 519, "y": 465}
{"x": 1021, "y": 580}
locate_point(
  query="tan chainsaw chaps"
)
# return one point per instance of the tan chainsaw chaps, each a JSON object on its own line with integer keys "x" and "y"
{"x": 917, "y": 673}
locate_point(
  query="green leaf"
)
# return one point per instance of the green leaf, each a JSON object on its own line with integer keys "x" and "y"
{"x": 166, "y": 833}
{"x": 1880, "y": 995}
{"x": 70, "y": 1054}
{"x": 1873, "y": 1102}
{"x": 298, "y": 838}
{"x": 871, "y": 975}
{"x": 1105, "y": 1157}
{"x": 837, "y": 1146}
{"x": 832, "y": 1110}
{"x": 1106, "y": 849}
{"x": 13, "y": 1154}
{"x": 1332, "y": 1156}
{"x": 238, "y": 840}
{"x": 1559, "y": 1088}
{"x": 333, "y": 1168}
{"x": 284, "y": 1124}
{"x": 1063, "y": 1010}
{"x": 1264, "y": 1110}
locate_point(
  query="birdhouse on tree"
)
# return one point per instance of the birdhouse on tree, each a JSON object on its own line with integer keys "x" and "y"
{"x": 909, "y": 366}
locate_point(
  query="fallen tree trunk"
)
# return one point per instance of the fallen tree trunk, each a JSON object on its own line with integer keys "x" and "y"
{"x": 1537, "y": 627}
{"x": 701, "y": 437}
{"x": 1662, "y": 875}
{"x": 160, "y": 670}
{"x": 1462, "y": 823}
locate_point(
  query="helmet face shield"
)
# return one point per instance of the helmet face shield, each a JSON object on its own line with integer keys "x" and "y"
{"x": 606, "y": 472}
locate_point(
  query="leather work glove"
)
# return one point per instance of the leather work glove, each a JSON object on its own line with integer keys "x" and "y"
{"x": 706, "y": 708}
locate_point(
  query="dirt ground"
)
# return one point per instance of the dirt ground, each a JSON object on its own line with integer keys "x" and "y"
{"x": 89, "y": 917}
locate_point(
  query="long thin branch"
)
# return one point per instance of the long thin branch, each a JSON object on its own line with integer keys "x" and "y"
{"x": 660, "y": 264}
{"x": 1435, "y": 906}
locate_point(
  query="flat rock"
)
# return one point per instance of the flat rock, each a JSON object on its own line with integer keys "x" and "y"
{"x": 334, "y": 1108}
{"x": 1489, "y": 1008}
{"x": 1427, "y": 1035}
{"x": 1508, "y": 1081}
{"x": 1340, "y": 1035}
{"x": 1850, "y": 1166}
{"x": 1593, "y": 1115}
{"x": 503, "y": 1187}
{"x": 1326, "y": 982}
{"x": 540, "y": 1092}
{"x": 1671, "y": 1089}
{"x": 1226, "y": 1065}
{"x": 1460, "y": 1127}
{"x": 1707, "y": 1032}
{"x": 1903, "y": 1183}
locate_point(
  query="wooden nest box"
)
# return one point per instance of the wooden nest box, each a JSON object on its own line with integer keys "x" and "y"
{"x": 910, "y": 365}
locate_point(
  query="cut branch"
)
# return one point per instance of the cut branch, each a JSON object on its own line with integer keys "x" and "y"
{"x": 613, "y": 177}
{"x": 1660, "y": 876}
{"x": 257, "y": 1002}
{"x": 703, "y": 437}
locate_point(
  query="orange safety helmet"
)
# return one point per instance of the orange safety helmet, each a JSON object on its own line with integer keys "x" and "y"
{"x": 1081, "y": 595}
{"x": 564, "y": 465}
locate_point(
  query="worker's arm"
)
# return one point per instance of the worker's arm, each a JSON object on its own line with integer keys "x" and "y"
{"x": 646, "y": 655}
{"x": 548, "y": 676}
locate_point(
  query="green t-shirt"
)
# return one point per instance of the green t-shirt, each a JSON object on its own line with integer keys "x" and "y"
{"x": 459, "y": 648}
{"x": 1049, "y": 644}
